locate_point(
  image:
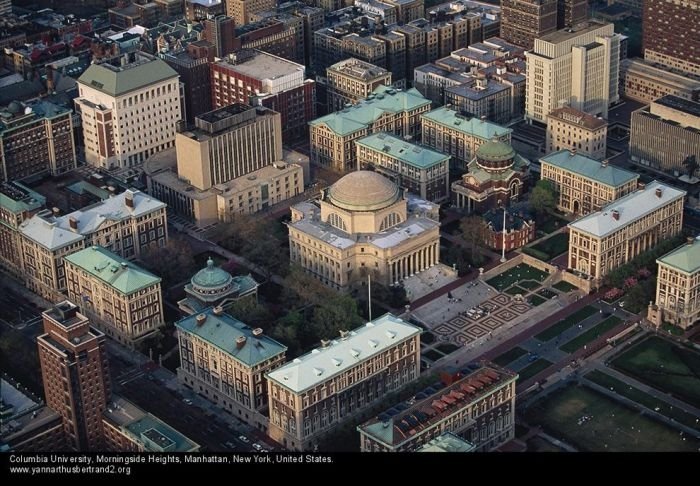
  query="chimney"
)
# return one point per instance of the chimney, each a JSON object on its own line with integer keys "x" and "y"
{"x": 691, "y": 240}
{"x": 616, "y": 214}
{"x": 218, "y": 310}
{"x": 129, "y": 199}
{"x": 55, "y": 211}
{"x": 572, "y": 152}
{"x": 641, "y": 186}
{"x": 111, "y": 189}
{"x": 483, "y": 118}
{"x": 343, "y": 334}
{"x": 240, "y": 342}
{"x": 257, "y": 332}
{"x": 125, "y": 265}
{"x": 604, "y": 163}
{"x": 658, "y": 192}
{"x": 73, "y": 223}
{"x": 200, "y": 319}
{"x": 325, "y": 343}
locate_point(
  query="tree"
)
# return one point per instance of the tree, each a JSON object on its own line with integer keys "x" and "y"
{"x": 259, "y": 240}
{"x": 543, "y": 197}
{"x": 691, "y": 165}
{"x": 173, "y": 262}
{"x": 473, "y": 230}
{"x": 249, "y": 311}
{"x": 340, "y": 312}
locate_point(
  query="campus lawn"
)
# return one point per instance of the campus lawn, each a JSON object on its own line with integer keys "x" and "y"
{"x": 534, "y": 368}
{"x": 516, "y": 274}
{"x": 591, "y": 335}
{"x": 558, "y": 328}
{"x": 509, "y": 356}
{"x": 564, "y": 286}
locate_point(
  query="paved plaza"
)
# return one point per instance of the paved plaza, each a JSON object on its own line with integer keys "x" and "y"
{"x": 428, "y": 281}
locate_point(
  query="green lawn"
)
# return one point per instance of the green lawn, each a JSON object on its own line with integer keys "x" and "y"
{"x": 516, "y": 274}
{"x": 509, "y": 356}
{"x": 552, "y": 247}
{"x": 433, "y": 355}
{"x": 591, "y": 335}
{"x": 564, "y": 286}
{"x": 664, "y": 365}
{"x": 612, "y": 427}
{"x": 643, "y": 398}
{"x": 534, "y": 368}
{"x": 552, "y": 224}
{"x": 514, "y": 290}
{"x": 536, "y": 300}
{"x": 446, "y": 348}
{"x": 546, "y": 293}
{"x": 529, "y": 284}
{"x": 558, "y": 328}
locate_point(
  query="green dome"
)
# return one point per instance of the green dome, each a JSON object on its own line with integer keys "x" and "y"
{"x": 211, "y": 277}
{"x": 495, "y": 151}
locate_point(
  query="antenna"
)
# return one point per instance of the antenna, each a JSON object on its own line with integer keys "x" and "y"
{"x": 369, "y": 294}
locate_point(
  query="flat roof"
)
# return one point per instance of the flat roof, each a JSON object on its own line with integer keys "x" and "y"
{"x": 476, "y": 127}
{"x": 589, "y": 168}
{"x": 447, "y": 442}
{"x": 358, "y": 69}
{"x": 343, "y": 353}
{"x": 629, "y": 208}
{"x": 261, "y": 65}
{"x": 680, "y": 104}
{"x": 16, "y": 197}
{"x": 255, "y": 178}
{"x": 415, "y": 155}
{"x": 563, "y": 35}
{"x": 470, "y": 91}
{"x": 578, "y": 117}
{"x": 685, "y": 258}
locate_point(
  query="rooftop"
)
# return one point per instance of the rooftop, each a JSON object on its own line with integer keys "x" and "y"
{"x": 410, "y": 153}
{"x": 470, "y": 90}
{"x": 447, "y": 442}
{"x": 578, "y": 117}
{"x": 590, "y": 168}
{"x": 113, "y": 270}
{"x": 680, "y": 104}
{"x": 260, "y": 65}
{"x": 363, "y": 190}
{"x": 569, "y": 33}
{"x": 253, "y": 179}
{"x": 482, "y": 129}
{"x": 405, "y": 421}
{"x": 628, "y": 209}
{"x": 343, "y": 353}
{"x": 359, "y": 69}
{"x": 384, "y": 99}
{"x": 16, "y": 198}
{"x": 231, "y": 336}
{"x": 116, "y": 80}
{"x": 660, "y": 73}
{"x": 686, "y": 258}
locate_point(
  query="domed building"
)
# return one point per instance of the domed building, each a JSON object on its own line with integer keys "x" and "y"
{"x": 213, "y": 286}
{"x": 364, "y": 224}
{"x": 496, "y": 177}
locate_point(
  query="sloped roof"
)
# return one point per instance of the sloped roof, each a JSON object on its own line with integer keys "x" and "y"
{"x": 476, "y": 127}
{"x": 686, "y": 258}
{"x": 118, "y": 81}
{"x": 410, "y": 153}
{"x": 589, "y": 168}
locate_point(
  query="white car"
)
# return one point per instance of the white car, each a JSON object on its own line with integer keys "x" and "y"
{"x": 187, "y": 401}
{"x": 257, "y": 447}
{"x": 243, "y": 438}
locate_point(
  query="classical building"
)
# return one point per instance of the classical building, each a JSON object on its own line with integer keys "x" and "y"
{"x": 17, "y": 204}
{"x": 495, "y": 177}
{"x": 120, "y": 298}
{"x": 481, "y": 97}
{"x": 311, "y": 395}
{"x": 479, "y": 407}
{"x": 446, "y": 131}
{"x": 585, "y": 185}
{"x": 363, "y": 224}
{"x": 670, "y": 33}
{"x": 127, "y": 428}
{"x": 126, "y": 224}
{"x": 519, "y": 229}
{"x": 259, "y": 78}
{"x": 665, "y": 133}
{"x": 353, "y": 80}
{"x": 76, "y": 377}
{"x": 213, "y": 286}
{"x": 226, "y": 361}
{"x": 523, "y": 21}
{"x": 416, "y": 168}
{"x": 35, "y": 139}
{"x": 572, "y": 129}
{"x": 578, "y": 66}
{"x": 242, "y": 10}
{"x": 129, "y": 108}
{"x": 447, "y": 442}
{"x": 601, "y": 242}
{"x": 645, "y": 81}
{"x": 678, "y": 287}
{"x": 385, "y": 110}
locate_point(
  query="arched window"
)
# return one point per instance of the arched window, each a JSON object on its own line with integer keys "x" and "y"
{"x": 390, "y": 221}
{"x": 335, "y": 220}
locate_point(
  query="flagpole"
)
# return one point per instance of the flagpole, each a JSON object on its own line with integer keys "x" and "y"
{"x": 369, "y": 290}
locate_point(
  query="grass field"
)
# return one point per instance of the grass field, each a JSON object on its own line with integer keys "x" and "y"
{"x": 552, "y": 223}
{"x": 446, "y": 348}
{"x": 554, "y": 246}
{"x": 564, "y": 324}
{"x": 534, "y": 368}
{"x": 509, "y": 356}
{"x": 433, "y": 355}
{"x": 529, "y": 284}
{"x": 514, "y": 290}
{"x": 591, "y": 335}
{"x": 612, "y": 427}
{"x": 546, "y": 293}
{"x": 536, "y": 300}
{"x": 664, "y": 365}
{"x": 643, "y": 398}
{"x": 564, "y": 286}
{"x": 515, "y": 275}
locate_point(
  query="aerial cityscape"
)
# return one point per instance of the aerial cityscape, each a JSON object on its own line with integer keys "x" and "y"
{"x": 246, "y": 228}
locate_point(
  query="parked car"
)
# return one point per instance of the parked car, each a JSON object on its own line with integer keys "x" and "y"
{"x": 257, "y": 447}
{"x": 243, "y": 438}
{"x": 187, "y": 401}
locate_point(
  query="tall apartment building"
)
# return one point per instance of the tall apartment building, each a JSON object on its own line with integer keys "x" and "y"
{"x": 126, "y": 224}
{"x": 601, "y": 242}
{"x": 671, "y": 35}
{"x": 585, "y": 185}
{"x": 577, "y": 66}
{"x": 523, "y": 21}
{"x": 678, "y": 287}
{"x": 17, "y": 204}
{"x": 198, "y": 10}
{"x": 226, "y": 361}
{"x": 35, "y": 139}
{"x": 195, "y": 75}
{"x": 353, "y": 80}
{"x": 571, "y": 12}
{"x": 572, "y": 129}
{"x": 260, "y": 78}
{"x": 418, "y": 169}
{"x": 479, "y": 407}
{"x": 665, "y": 133}
{"x": 385, "y": 110}
{"x": 121, "y": 299}
{"x": 75, "y": 374}
{"x": 281, "y": 35}
{"x": 364, "y": 224}
{"x": 645, "y": 81}
{"x": 221, "y": 32}
{"x": 481, "y": 97}
{"x": 129, "y": 108}
{"x": 241, "y": 11}
{"x": 310, "y": 396}
{"x": 228, "y": 143}
{"x": 446, "y": 131}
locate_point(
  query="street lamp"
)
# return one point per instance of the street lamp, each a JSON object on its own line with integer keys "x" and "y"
{"x": 503, "y": 252}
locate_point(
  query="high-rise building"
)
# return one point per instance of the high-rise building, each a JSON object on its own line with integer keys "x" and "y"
{"x": 17, "y": 204}
{"x": 259, "y": 78}
{"x": 577, "y": 66}
{"x": 311, "y": 395}
{"x": 353, "y": 80}
{"x": 671, "y": 35}
{"x": 35, "y": 139}
{"x": 523, "y": 21}
{"x": 571, "y": 12}
{"x": 198, "y": 10}
{"x": 195, "y": 75}
{"x": 221, "y": 32}
{"x": 242, "y": 10}
{"x": 646, "y": 81}
{"x": 75, "y": 374}
{"x": 129, "y": 106}
{"x": 568, "y": 128}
